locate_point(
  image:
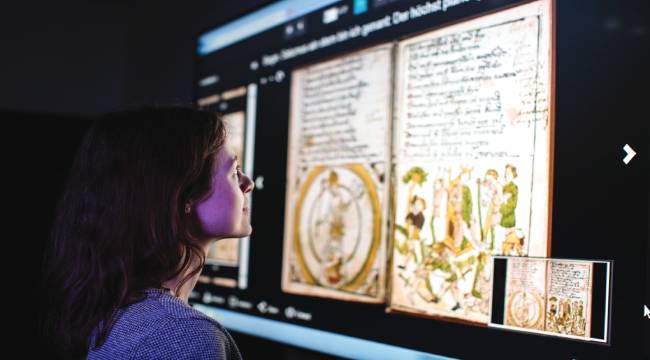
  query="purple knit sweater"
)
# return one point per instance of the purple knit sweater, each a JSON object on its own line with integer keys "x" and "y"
{"x": 163, "y": 327}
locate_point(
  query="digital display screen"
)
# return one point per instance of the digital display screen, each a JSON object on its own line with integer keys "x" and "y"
{"x": 417, "y": 180}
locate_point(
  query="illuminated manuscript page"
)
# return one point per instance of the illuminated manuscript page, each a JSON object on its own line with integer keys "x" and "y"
{"x": 568, "y": 307}
{"x": 525, "y": 293}
{"x": 472, "y": 157}
{"x": 334, "y": 240}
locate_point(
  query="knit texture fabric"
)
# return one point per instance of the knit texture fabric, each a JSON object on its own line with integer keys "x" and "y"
{"x": 164, "y": 327}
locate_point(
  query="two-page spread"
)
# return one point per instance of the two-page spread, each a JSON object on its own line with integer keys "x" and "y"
{"x": 412, "y": 163}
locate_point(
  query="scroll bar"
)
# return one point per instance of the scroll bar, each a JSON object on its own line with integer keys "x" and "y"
{"x": 249, "y": 156}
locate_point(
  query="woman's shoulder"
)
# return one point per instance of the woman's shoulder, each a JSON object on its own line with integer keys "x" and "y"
{"x": 163, "y": 326}
{"x": 169, "y": 306}
{"x": 187, "y": 337}
{"x": 187, "y": 333}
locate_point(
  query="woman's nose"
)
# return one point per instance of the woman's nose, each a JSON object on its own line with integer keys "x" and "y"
{"x": 247, "y": 184}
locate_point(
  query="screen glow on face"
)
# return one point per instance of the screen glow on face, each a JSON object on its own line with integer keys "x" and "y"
{"x": 224, "y": 212}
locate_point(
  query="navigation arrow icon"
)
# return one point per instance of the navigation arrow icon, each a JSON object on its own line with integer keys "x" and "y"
{"x": 630, "y": 153}
{"x": 646, "y": 311}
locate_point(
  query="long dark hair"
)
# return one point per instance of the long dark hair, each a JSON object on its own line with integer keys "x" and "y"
{"x": 120, "y": 225}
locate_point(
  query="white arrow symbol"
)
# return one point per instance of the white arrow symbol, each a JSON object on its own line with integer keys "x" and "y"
{"x": 630, "y": 153}
{"x": 646, "y": 311}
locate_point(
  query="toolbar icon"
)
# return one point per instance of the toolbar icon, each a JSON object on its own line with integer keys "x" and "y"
{"x": 630, "y": 154}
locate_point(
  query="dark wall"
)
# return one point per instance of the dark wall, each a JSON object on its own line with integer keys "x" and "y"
{"x": 161, "y": 46}
{"x": 88, "y": 57}
{"x": 38, "y": 150}
{"x": 63, "y": 57}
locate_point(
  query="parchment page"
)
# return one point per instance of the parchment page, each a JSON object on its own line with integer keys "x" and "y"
{"x": 525, "y": 293}
{"x": 334, "y": 243}
{"x": 471, "y": 158}
{"x": 569, "y": 298}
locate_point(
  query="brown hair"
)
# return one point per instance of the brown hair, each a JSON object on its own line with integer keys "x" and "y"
{"x": 120, "y": 225}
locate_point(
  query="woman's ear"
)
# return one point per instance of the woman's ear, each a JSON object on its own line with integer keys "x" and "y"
{"x": 188, "y": 207}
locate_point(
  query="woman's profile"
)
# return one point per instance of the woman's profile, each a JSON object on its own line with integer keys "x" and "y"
{"x": 148, "y": 193}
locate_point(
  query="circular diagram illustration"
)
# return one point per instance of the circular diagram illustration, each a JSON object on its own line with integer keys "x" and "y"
{"x": 337, "y": 226}
{"x": 524, "y": 309}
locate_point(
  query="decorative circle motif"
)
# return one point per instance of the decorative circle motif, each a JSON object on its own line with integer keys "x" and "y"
{"x": 337, "y": 226}
{"x": 525, "y": 309}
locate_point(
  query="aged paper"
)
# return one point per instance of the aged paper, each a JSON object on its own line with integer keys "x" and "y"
{"x": 334, "y": 241}
{"x": 224, "y": 252}
{"x": 568, "y": 307}
{"x": 472, "y": 152}
{"x": 549, "y": 295}
{"x": 525, "y": 293}
{"x": 236, "y": 129}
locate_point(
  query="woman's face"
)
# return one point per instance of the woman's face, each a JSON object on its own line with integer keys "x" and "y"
{"x": 224, "y": 212}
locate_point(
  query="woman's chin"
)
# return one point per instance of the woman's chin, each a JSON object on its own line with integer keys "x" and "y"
{"x": 245, "y": 231}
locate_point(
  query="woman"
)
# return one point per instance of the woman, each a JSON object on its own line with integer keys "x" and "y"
{"x": 149, "y": 191}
